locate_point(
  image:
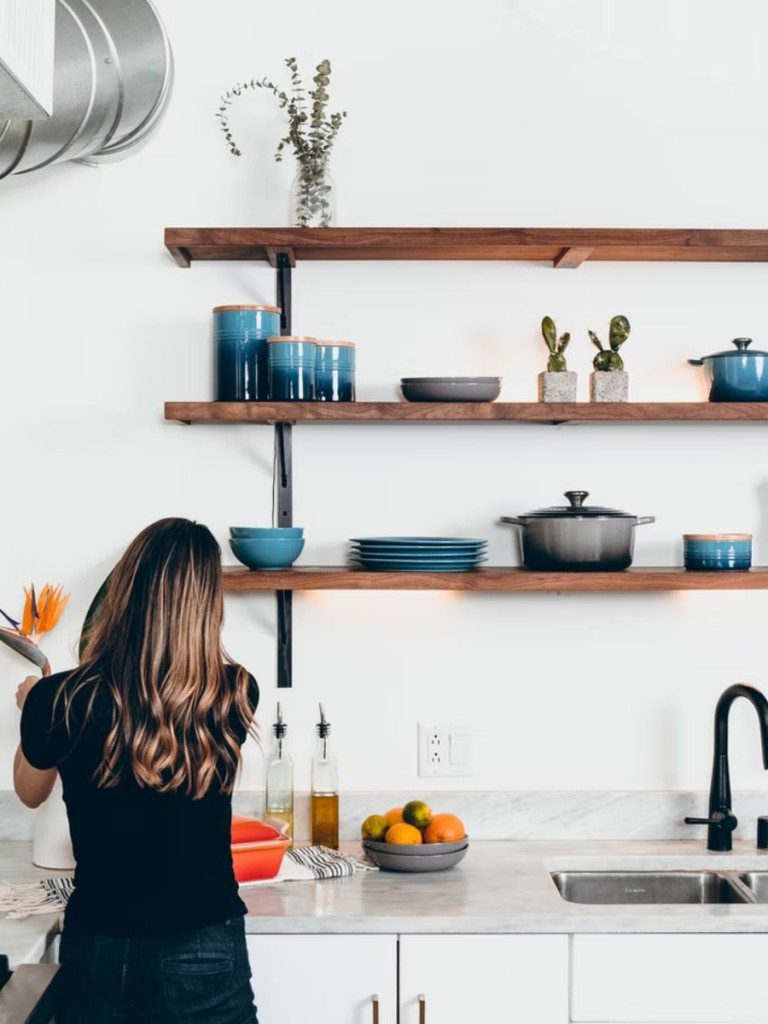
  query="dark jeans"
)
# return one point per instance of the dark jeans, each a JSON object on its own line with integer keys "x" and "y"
{"x": 200, "y": 977}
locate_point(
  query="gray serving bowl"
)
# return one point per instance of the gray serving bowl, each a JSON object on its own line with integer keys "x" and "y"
{"x": 403, "y": 860}
{"x": 450, "y": 391}
{"x": 423, "y": 850}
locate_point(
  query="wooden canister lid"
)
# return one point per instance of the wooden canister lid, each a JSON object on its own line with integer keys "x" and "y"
{"x": 337, "y": 344}
{"x": 717, "y": 536}
{"x": 293, "y": 337}
{"x": 264, "y": 309}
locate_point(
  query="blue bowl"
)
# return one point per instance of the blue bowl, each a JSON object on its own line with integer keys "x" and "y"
{"x": 263, "y": 532}
{"x": 267, "y": 552}
{"x": 712, "y": 551}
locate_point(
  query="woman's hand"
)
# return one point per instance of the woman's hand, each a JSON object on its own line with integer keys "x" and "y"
{"x": 23, "y": 690}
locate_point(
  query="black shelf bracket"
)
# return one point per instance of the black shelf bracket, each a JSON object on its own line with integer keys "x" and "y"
{"x": 283, "y": 487}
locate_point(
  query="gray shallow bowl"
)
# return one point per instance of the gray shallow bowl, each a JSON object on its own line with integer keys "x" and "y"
{"x": 450, "y": 380}
{"x": 423, "y": 850}
{"x": 458, "y": 391}
{"x": 400, "y": 862}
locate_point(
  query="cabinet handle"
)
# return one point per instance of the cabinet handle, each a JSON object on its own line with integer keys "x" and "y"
{"x": 422, "y": 1010}
{"x": 375, "y": 1009}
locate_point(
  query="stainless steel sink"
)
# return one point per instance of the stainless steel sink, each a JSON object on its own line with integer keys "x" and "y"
{"x": 757, "y": 882}
{"x": 615, "y": 887}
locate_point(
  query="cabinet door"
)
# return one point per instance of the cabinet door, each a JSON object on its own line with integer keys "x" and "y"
{"x": 484, "y": 979}
{"x": 324, "y": 979}
{"x": 675, "y": 979}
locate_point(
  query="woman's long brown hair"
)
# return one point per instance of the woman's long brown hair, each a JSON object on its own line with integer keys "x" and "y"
{"x": 156, "y": 645}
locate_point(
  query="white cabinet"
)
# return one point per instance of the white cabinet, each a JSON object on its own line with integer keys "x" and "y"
{"x": 483, "y": 979}
{"x": 669, "y": 979}
{"x": 324, "y": 979}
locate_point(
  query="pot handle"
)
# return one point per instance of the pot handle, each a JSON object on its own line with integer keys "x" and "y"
{"x": 695, "y": 362}
{"x": 512, "y": 520}
{"x": 644, "y": 520}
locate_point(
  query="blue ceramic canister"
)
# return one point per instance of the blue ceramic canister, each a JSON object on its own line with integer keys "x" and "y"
{"x": 335, "y": 371}
{"x": 240, "y": 341}
{"x": 717, "y": 550}
{"x": 291, "y": 368}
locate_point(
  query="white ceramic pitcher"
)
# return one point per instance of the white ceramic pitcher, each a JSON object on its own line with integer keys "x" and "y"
{"x": 51, "y": 845}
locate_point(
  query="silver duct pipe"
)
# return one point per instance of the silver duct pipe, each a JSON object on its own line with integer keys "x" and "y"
{"x": 113, "y": 80}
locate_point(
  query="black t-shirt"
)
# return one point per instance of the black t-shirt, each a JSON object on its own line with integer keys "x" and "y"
{"x": 148, "y": 863}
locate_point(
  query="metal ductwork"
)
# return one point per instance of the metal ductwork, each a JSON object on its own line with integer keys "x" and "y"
{"x": 113, "y": 79}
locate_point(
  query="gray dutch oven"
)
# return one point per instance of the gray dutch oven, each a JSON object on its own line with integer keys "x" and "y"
{"x": 577, "y": 537}
{"x": 739, "y": 374}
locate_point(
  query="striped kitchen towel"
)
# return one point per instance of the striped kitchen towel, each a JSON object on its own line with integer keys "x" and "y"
{"x": 48, "y": 896}
{"x": 303, "y": 863}
{"x": 310, "y": 863}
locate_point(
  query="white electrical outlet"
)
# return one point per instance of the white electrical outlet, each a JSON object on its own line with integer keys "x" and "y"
{"x": 444, "y": 750}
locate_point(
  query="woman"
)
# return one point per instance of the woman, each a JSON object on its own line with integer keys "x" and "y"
{"x": 146, "y": 735}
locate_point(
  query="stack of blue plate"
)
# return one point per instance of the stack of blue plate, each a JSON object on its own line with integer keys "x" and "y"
{"x": 418, "y": 554}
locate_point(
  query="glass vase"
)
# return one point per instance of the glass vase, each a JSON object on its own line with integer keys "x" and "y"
{"x": 313, "y": 198}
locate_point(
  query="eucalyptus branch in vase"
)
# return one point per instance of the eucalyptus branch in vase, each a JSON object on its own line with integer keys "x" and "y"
{"x": 311, "y": 135}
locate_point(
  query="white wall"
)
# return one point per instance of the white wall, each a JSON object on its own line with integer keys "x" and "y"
{"x": 524, "y": 112}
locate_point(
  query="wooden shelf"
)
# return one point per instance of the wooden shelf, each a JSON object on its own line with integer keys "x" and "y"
{"x": 564, "y": 248}
{"x": 493, "y": 578}
{"x": 510, "y": 412}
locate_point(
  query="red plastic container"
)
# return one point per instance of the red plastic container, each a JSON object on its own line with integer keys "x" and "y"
{"x": 257, "y": 849}
{"x": 251, "y": 830}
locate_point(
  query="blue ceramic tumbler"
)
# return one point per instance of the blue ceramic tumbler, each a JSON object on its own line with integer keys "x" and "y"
{"x": 292, "y": 368}
{"x": 335, "y": 371}
{"x": 240, "y": 340}
{"x": 704, "y": 551}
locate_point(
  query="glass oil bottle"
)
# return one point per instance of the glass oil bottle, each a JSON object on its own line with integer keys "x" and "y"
{"x": 280, "y": 777}
{"x": 325, "y": 789}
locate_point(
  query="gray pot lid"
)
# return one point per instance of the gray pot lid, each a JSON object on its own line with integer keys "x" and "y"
{"x": 577, "y": 510}
{"x": 741, "y": 349}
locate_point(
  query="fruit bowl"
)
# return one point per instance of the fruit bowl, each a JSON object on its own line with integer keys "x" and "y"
{"x": 425, "y": 850}
{"x": 413, "y": 859}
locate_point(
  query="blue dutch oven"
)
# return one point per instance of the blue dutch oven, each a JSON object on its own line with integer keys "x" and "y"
{"x": 738, "y": 375}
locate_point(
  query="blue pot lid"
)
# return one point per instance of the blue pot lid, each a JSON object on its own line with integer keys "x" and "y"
{"x": 742, "y": 345}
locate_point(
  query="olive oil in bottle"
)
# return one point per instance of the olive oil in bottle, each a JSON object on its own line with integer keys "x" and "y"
{"x": 325, "y": 789}
{"x": 280, "y": 777}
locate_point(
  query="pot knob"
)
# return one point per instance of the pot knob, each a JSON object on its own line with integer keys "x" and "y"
{"x": 576, "y": 498}
{"x": 742, "y": 344}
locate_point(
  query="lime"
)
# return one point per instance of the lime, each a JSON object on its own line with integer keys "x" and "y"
{"x": 417, "y": 813}
{"x": 375, "y": 827}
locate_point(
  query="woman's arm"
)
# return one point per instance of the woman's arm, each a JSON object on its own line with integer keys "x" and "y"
{"x": 33, "y": 785}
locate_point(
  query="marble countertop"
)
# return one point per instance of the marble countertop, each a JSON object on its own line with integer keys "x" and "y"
{"x": 500, "y": 887}
{"x": 504, "y": 887}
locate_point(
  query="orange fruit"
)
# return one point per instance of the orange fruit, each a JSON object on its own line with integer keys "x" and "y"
{"x": 403, "y": 835}
{"x": 444, "y": 828}
{"x": 395, "y": 816}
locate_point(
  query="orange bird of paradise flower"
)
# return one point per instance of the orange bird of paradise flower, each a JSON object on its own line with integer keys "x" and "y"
{"x": 40, "y": 615}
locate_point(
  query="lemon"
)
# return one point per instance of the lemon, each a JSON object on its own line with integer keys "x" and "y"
{"x": 417, "y": 813}
{"x": 375, "y": 827}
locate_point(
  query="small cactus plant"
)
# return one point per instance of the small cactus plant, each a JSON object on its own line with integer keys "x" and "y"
{"x": 557, "y": 346}
{"x": 608, "y": 360}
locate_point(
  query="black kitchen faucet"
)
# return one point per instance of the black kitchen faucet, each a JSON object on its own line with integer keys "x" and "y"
{"x": 722, "y": 821}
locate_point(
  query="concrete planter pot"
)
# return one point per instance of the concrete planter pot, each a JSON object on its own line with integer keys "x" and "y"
{"x": 557, "y": 387}
{"x": 607, "y": 386}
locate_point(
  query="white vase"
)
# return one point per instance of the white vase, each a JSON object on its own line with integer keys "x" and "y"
{"x": 51, "y": 845}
